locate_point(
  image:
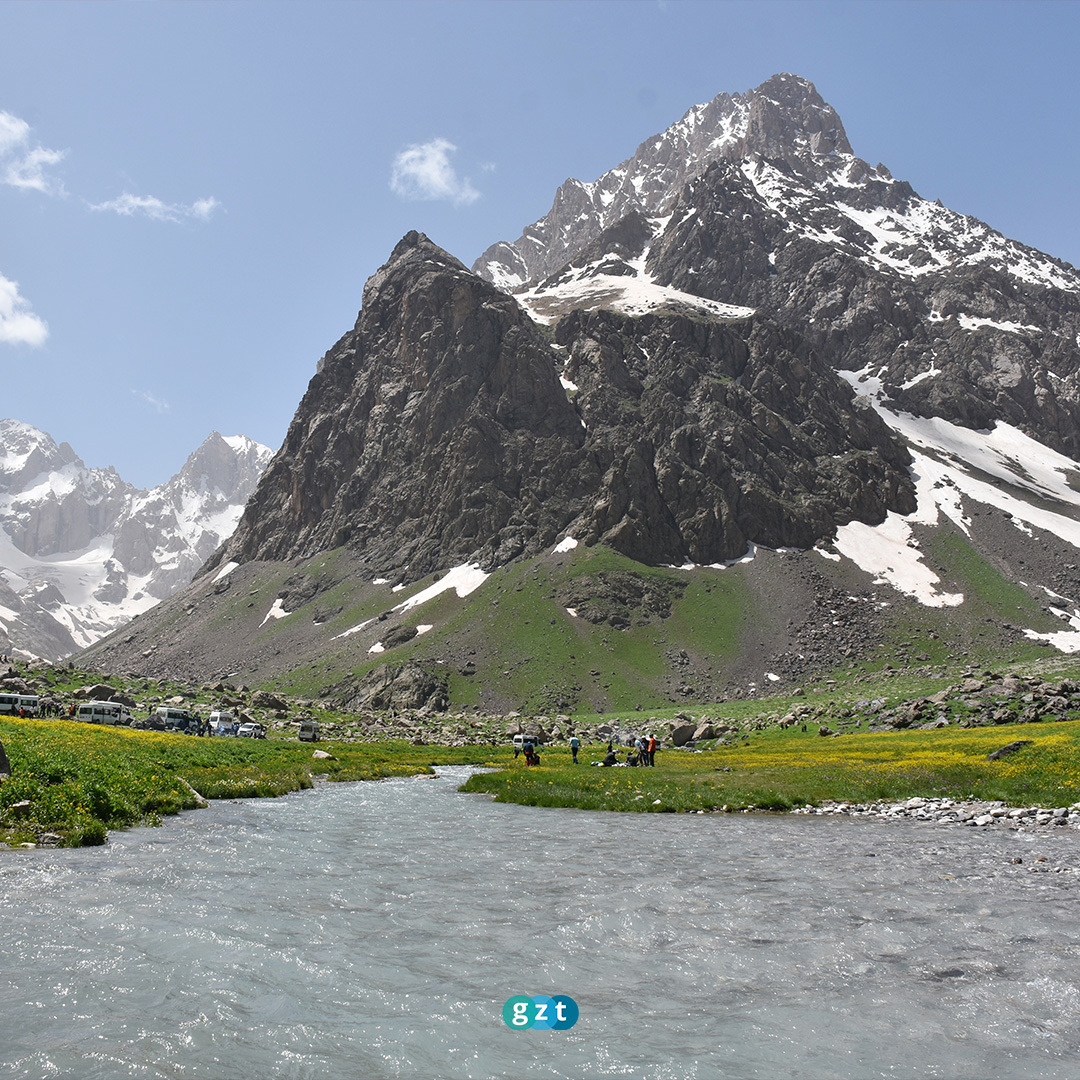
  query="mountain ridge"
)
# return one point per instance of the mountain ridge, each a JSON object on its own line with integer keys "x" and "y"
{"x": 438, "y": 430}
{"x": 620, "y": 440}
{"x": 82, "y": 550}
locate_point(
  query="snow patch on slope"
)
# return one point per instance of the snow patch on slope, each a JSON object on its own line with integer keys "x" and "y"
{"x": 462, "y": 579}
{"x": 1002, "y": 468}
{"x": 619, "y": 284}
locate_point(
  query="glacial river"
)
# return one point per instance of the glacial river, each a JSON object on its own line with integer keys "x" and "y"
{"x": 369, "y": 931}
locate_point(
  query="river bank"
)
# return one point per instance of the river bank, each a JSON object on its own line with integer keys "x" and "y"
{"x": 71, "y": 783}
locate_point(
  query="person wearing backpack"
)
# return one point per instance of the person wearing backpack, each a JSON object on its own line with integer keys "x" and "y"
{"x": 575, "y": 745}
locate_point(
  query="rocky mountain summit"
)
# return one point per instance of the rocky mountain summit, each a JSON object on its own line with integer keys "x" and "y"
{"x": 745, "y": 411}
{"x": 785, "y": 119}
{"x": 82, "y": 550}
{"x": 758, "y": 200}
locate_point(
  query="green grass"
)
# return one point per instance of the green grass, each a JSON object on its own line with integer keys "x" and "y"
{"x": 990, "y": 600}
{"x": 783, "y": 769}
{"x": 537, "y": 655}
{"x": 77, "y": 781}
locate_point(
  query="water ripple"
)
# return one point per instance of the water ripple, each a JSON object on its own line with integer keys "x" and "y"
{"x": 374, "y": 931}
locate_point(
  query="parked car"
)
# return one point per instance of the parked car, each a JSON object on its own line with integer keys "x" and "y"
{"x": 177, "y": 719}
{"x": 309, "y": 731}
{"x": 223, "y": 723}
{"x": 104, "y": 712}
{"x": 19, "y": 704}
{"x": 252, "y": 730}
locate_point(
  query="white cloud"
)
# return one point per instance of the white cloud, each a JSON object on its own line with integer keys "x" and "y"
{"x": 203, "y": 208}
{"x": 130, "y": 205}
{"x": 23, "y": 166}
{"x": 18, "y": 324}
{"x": 155, "y": 403}
{"x": 424, "y": 171}
{"x": 13, "y": 132}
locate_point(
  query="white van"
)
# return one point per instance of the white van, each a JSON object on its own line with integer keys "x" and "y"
{"x": 223, "y": 723}
{"x": 17, "y": 704}
{"x": 176, "y": 719}
{"x": 104, "y": 712}
{"x": 309, "y": 731}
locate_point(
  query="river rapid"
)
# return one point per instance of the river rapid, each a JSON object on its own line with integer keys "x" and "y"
{"x": 374, "y": 930}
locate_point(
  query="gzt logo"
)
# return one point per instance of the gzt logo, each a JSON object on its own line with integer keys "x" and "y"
{"x": 540, "y": 1012}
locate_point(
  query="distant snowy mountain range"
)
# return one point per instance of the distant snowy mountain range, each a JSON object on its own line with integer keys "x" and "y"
{"x": 82, "y": 551}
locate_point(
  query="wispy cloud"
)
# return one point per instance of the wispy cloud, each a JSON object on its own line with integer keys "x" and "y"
{"x": 18, "y": 324}
{"x": 424, "y": 171}
{"x": 129, "y": 205}
{"x": 25, "y": 165}
{"x": 155, "y": 403}
{"x": 22, "y": 165}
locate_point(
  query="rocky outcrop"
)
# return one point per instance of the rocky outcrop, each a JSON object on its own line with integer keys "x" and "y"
{"x": 432, "y": 433}
{"x": 395, "y": 688}
{"x": 439, "y": 432}
{"x": 717, "y": 435}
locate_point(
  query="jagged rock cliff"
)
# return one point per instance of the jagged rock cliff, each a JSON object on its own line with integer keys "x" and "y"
{"x": 757, "y": 200}
{"x": 449, "y": 427}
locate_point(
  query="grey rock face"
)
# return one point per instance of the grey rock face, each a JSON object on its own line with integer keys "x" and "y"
{"x": 432, "y": 431}
{"x": 758, "y": 200}
{"x": 984, "y": 330}
{"x": 438, "y": 432}
{"x": 398, "y": 687}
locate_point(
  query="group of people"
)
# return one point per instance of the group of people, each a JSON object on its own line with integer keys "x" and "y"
{"x": 528, "y": 748}
{"x": 642, "y": 752}
{"x": 645, "y": 745}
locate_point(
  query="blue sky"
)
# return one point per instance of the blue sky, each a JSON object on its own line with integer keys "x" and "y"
{"x": 192, "y": 195}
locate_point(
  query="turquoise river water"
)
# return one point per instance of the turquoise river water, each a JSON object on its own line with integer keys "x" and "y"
{"x": 374, "y": 931}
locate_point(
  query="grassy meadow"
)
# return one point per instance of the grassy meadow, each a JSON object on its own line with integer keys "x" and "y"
{"x": 71, "y": 783}
{"x": 74, "y": 782}
{"x": 781, "y": 769}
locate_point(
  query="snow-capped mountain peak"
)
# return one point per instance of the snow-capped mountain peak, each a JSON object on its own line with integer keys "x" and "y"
{"x": 784, "y": 118}
{"x": 82, "y": 551}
